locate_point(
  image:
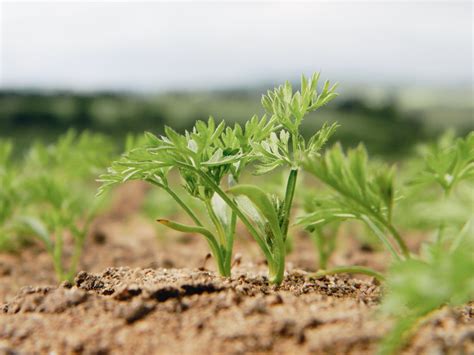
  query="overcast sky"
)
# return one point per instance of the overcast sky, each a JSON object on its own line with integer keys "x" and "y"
{"x": 160, "y": 46}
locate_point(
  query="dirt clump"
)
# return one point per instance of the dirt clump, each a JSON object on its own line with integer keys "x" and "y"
{"x": 142, "y": 311}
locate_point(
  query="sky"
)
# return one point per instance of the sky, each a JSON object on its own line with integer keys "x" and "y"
{"x": 151, "y": 46}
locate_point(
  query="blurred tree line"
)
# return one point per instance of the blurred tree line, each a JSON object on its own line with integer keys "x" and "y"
{"x": 29, "y": 115}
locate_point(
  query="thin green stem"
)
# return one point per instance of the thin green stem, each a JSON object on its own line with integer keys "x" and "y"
{"x": 230, "y": 241}
{"x": 319, "y": 241}
{"x": 398, "y": 238}
{"x": 376, "y": 230}
{"x": 458, "y": 240}
{"x": 441, "y": 227}
{"x": 57, "y": 252}
{"x": 294, "y": 141}
{"x": 217, "y": 223}
{"x": 238, "y": 212}
{"x": 216, "y": 250}
{"x": 277, "y": 269}
{"x": 349, "y": 270}
{"x": 400, "y": 242}
{"x": 231, "y": 230}
{"x": 289, "y": 195}
{"x": 79, "y": 238}
{"x": 183, "y": 205}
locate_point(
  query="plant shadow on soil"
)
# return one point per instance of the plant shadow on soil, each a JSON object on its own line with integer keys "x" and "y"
{"x": 138, "y": 296}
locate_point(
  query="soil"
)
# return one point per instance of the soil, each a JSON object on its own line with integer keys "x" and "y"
{"x": 144, "y": 295}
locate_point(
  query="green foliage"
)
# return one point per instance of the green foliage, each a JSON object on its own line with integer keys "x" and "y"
{"x": 211, "y": 158}
{"x": 415, "y": 288}
{"x": 203, "y": 157}
{"x": 9, "y": 198}
{"x": 443, "y": 273}
{"x": 290, "y": 108}
{"x": 447, "y": 166}
{"x": 215, "y": 150}
{"x": 49, "y": 195}
{"x": 423, "y": 208}
{"x": 269, "y": 220}
{"x": 448, "y": 162}
{"x": 416, "y": 285}
{"x": 276, "y": 152}
{"x": 361, "y": 192}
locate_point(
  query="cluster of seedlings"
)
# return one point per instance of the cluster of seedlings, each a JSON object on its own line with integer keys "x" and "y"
{"x": 48, "y": 195}
{"x": 213, "y": 159}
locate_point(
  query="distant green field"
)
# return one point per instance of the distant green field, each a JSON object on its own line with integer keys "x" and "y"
{"x": 389, "y": 121}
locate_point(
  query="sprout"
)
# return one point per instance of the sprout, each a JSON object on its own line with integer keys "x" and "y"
{"x": 210, "y": 159}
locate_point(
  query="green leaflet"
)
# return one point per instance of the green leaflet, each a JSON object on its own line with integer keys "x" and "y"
{"x": 416, "y": 288}
{"x": 360, "y": 190}
{"x": 448, "y": 161}
{"x": 249, "y": 208}
{"x": 277, "y": 243}
{"x": 290, "y": 108}
{"x": 260, "y": 199}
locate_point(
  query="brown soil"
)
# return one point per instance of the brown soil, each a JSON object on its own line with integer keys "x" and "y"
{"x": 144, "y": 295}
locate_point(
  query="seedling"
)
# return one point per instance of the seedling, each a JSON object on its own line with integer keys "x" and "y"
{"x": 58, "y": 200}
{"x": 286, "y": 148}
{"x": 204, "y": 157}
{"x": 360, "y": 193}
{"x": 414, "y": 290}
{"x": 210, "y": 160}
{"x": 367, "y": 193}
{"x": 9, "y": 197}
{"x": 447, "y": 162}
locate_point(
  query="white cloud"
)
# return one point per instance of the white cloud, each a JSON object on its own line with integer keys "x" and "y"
{"x": 145, "y": 45}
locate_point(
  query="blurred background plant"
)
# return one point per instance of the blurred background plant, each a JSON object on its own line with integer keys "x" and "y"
{"x": 48, "y": 195}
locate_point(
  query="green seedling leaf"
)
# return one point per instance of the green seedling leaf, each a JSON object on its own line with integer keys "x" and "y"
{"x": 447, "y": 162}
{"x": 263, "y": 204}
{"x": 360, "y": 191}
{"x": 38, "y": 229}
{"x": 246, "y": 206}
{"x": 221, "y": 210}
{"x": 416, "y": 288}
{"x": 289, "y": 109}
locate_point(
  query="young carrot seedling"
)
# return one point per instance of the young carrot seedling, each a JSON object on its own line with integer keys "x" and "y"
{"x": 9, "y": 197}
{"x": 59, "y": 202}
{"x": 442, "y": 274}
{"x": 210, "y": 159}
{"x": 360, "y": 193}
{"x": 205, "y": 158}
{"x": 284, "y": 148}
